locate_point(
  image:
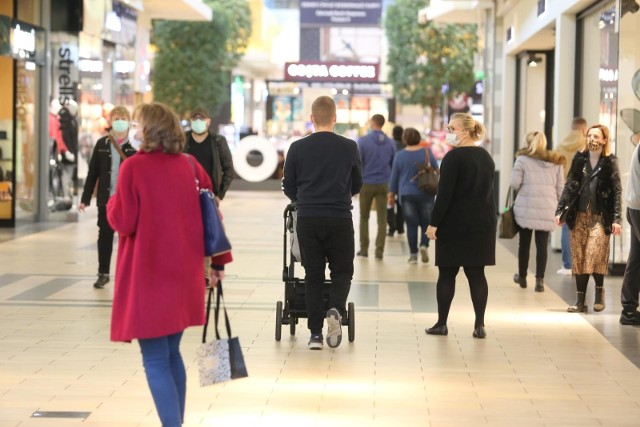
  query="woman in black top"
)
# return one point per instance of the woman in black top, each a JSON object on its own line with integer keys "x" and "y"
{"x": 592, "y": 201}
{"x": 463, "y": 222}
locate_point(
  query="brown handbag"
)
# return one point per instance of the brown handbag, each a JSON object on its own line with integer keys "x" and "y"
{"x": 428, "y": 176}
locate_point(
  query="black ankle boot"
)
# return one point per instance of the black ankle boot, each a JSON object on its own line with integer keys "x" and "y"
{"x": 539, "y": 284}
{"x": 598, "y": 305}
{"x": 579, "y": 307}
{"x": 522, "y": 281}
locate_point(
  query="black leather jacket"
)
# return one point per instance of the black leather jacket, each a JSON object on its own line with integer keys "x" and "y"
{"x": 608, "y": 191}
{"x": 100, "y": 171}
{"x": 223, "y": 172}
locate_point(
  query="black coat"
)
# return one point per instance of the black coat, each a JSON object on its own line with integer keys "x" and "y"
{"x": 608, "y": 190}
{"x": 100, "y": 171}
{"x": 223, "y": 172}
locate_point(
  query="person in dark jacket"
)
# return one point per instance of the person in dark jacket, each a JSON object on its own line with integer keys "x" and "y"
{"x": 322, "y": 172}
{"x": 395, "y": 216}
{"x": 211, "y": 151}
{"x": 108, "y": 153}
{"x": 463, "y": 221}
{"x": 592, "y": 197}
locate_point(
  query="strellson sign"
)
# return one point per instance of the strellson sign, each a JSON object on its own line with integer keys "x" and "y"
{"x": 330, "y": 72}
{"x": 340, "y": 12}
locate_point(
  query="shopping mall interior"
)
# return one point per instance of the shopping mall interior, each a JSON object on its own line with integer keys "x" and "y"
{"x": 538, "y": 366}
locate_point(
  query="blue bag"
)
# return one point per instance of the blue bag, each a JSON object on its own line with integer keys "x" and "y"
{"x": 215, "y": 239}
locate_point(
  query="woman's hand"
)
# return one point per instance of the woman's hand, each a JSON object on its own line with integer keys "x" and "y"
{"x": 431, "y": 232}
{"x": 215, "y": 276}
{"x": 558, "y": 223}
{"x": 616, "y": 229}
{"x": 391, "y": 199}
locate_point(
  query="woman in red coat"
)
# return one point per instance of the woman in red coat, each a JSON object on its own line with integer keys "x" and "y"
{"x": 159, "y": 287}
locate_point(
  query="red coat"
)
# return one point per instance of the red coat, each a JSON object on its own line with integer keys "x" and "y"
{"x": 159, "y": 284}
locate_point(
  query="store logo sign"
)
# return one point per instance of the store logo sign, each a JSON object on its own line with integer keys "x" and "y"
{"x": 334, "y": 72}
{"x": 24, "y": 42}
{"x": 608, "y": 75}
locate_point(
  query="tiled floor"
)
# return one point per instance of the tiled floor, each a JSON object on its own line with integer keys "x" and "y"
{"x": 538, "y": 366}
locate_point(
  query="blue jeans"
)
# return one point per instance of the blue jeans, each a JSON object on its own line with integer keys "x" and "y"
{"x": 417, "y": 213}
{"x": 565, "y": 246}
{"x": 166, "y": 377}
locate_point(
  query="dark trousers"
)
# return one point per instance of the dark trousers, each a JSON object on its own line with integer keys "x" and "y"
{"x": 105, "y": 241}
{"x": 417, "y": 209}
{"x": 395, "y": 218}
{"x": 325, "y": 239}
{"x": 446, "y": 289}
{"x": 542, "y": 240}
{"x": 631, "y": 280}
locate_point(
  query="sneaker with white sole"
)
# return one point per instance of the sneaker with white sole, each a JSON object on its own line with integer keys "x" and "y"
{"x": 334, "y": 328}
{"x": 413, "y": 259}
{"x": 424, "y": 254}
{"x": 315, "y": 342}
{"x": 564, "y": 271}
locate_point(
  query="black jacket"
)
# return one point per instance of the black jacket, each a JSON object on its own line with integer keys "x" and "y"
{"x": 100, "y": 171}
{"x": 608, "y": 190}
{"x": 223, "y": 172}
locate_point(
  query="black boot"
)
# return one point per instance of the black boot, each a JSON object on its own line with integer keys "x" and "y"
{"x": 522, "y": 281}
{"x": 579, "y": 307}
{"x": 539, "y": 284}
{"x": 598, "y": 305}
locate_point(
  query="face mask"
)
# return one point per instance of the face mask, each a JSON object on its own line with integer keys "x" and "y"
{"x": 198, "y": 126}
{"x": 593, "y": 145}
{"x": 452, "y": 139}
{"x": 120, "y": 125}
{"x": 133, "y": 140}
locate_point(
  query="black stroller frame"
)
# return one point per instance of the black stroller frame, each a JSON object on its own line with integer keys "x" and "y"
{"x": 294, "y": 306}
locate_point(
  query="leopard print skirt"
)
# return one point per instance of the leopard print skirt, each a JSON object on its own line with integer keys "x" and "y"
{"x": 589, "y": 244}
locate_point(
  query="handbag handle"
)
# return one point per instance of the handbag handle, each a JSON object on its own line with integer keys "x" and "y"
{"x": 219, "y": 299}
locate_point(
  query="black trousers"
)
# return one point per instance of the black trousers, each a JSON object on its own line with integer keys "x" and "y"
{"x": 542, "y": 240}
{"x": 395, "y": 218}
{"x": 105, "y": 241}
{"x": 322, "y": 240}
{"x": 631, "y": 280}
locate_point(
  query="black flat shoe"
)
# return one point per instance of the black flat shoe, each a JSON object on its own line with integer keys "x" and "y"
{"x": 437, "y": 330}
{"x": 479, "y": 332}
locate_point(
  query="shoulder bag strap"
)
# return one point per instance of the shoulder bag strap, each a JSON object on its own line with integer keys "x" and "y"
{"x": 426, "y": 156}
{"x": 208, "y": 314}
{"x": 113, "y": 142}
{"x": 220, "y": 302}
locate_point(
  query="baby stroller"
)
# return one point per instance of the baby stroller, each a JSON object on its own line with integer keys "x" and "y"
{"x": 294, "y": 306}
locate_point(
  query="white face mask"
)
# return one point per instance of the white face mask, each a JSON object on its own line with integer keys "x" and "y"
{"x": 452, "y": 139}
{"x": 133, "y": 140}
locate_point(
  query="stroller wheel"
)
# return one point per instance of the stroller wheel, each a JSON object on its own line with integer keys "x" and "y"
{"x": 292, "y": 325}
{"x": 278, "y": 320}
{"x": 351, "y": 314}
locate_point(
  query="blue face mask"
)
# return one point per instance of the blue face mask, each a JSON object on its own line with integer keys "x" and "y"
{"x": 120, "y": 125}
{"x": 198, "y": 126}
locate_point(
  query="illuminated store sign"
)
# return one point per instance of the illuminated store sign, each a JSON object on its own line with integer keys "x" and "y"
{"x": 24, "y": 42}
{"x": 340, "y": 12}
{"x": 21, "y": 40}
{"x": 330, "y": 72}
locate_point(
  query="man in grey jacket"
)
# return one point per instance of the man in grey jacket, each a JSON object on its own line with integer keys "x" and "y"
{"x": 631, "y": 281}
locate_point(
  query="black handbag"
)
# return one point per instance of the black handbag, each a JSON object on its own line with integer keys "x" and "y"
{"x": 565, "y": 210}
{"x": 508, "y": 227}
{"x": 428, "y": 176}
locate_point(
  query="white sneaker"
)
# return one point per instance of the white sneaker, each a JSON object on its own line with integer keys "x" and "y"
{"x": 564, "y": 271}
{"x": 334, "y": 328}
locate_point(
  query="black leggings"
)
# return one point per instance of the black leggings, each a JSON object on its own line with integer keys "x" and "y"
{"x": 582, "y": 280}
{"x": 446, "y": 289}
{"x": 542, "y": 240}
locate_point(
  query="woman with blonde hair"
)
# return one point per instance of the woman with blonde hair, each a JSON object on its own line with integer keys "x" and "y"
{"x": 463, "y": 221}
{"x": 538, "y": 178}
{"x": 160, "y": 286}
{"x": 592, "y": 201}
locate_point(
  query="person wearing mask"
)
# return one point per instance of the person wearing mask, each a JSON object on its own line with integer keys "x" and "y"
{"x": 463, "y": 222}
{"x": 108, "y": 154}
{"x": 395, "y": 217}
{"x": 568, "y": 147}
{"x": 322, "y": 172}
{"x": 376, "y": 151}
{"x": 537, "y": 177}
{"x": 211, "y": 151}
{"x": 631, "y": 280}
{"x": 416, "y": 204}
{"x": 159, "y": 276}
{"x": 592, "y": 200}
